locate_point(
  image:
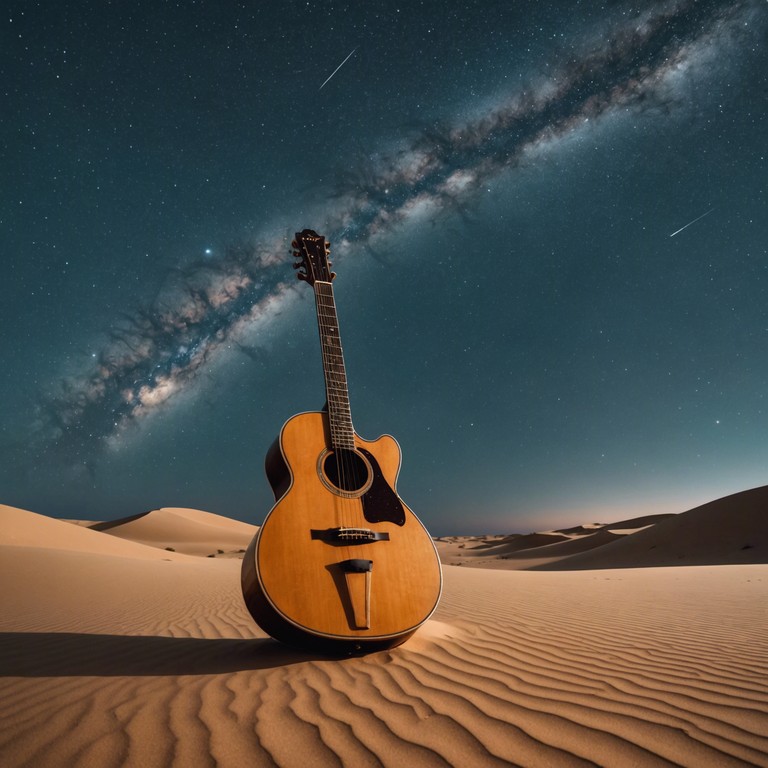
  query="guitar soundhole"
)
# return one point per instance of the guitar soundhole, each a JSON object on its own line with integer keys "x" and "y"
{"x": 346, "y": 470}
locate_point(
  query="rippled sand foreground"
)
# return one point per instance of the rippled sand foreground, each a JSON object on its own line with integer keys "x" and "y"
{"x": 116, "y": 653}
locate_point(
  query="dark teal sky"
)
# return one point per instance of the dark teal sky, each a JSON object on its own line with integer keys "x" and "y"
{"x": 500, "y": 183}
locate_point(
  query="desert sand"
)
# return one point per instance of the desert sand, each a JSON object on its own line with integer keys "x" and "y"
{"x": 638, "y": 643}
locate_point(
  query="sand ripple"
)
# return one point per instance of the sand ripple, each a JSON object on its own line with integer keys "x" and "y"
{"x": 143, "y": 663}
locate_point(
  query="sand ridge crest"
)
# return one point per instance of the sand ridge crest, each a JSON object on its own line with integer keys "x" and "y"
{"x": 191, "y": 531}
{"x": 21, "y": 528}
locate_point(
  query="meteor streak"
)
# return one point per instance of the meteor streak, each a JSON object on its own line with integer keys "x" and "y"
{"x": 338, "y": 68}
{"x": 677, "y": 232}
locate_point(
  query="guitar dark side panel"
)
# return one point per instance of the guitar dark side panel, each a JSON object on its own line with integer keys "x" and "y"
{"x": 277, "y": 471}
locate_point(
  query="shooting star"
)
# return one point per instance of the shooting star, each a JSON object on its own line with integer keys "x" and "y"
{"x": 338, "y": 68}
{"x": 677, "y": 232}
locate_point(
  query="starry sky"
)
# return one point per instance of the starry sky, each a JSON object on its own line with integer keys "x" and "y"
{"x": 548, "y": 221}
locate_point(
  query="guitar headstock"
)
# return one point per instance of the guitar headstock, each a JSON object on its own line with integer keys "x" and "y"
{"x": 312, "y": 251}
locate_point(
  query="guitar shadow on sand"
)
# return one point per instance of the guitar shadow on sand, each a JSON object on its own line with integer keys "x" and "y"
{"x": 67, "y": 654}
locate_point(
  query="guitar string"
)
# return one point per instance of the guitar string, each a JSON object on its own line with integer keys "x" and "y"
{"x": 339, "y": 416}
{"x": 338, "y": 403}
{"x": 345, "y": 458}
{"x": 322, "y": 318}
{"x": 323, "y": 349}
{"x": 350, "y": 462}
{"x": 345, "y": 447}
{"x": 338, "y": 504}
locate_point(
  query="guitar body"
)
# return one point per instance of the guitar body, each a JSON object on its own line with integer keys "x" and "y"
{"x": 340, "y": 564}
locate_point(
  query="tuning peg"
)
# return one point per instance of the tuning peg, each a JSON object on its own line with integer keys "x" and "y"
{"x": 301, "y": 275}
{"x": 294, "y": 244}
{"x": 333, "y": 275}
{"x": 298, "y": 264}
{"x": 327, "y": 247}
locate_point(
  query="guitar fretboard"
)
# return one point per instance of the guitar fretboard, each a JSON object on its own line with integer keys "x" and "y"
{"x": 339, "y": 414}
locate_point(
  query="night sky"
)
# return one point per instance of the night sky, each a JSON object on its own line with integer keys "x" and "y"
{"x": 507, "y": 188}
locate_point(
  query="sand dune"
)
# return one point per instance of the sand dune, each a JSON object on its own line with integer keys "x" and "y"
{"x": 112, "y": 657}
{"x": 636, "y": 523}
{"x": 21, "y": 528}
{"x": 731, "y": 530}
{"x": 494, "y": 547}
{"x": 190, "y": 531}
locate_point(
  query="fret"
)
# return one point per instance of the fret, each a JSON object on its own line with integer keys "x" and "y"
{"x": 337, "y": 395}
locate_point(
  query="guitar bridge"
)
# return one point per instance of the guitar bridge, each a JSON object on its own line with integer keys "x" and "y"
{"x": 344, "y": 536}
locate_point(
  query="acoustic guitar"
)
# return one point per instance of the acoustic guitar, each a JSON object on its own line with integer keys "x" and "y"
{"x": 340, "y": 565}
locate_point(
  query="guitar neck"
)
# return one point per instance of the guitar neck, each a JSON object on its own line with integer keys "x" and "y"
{"x": 337, "y": 393}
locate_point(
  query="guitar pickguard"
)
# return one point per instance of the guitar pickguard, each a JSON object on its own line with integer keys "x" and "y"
{"x": 380, "y": 503}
